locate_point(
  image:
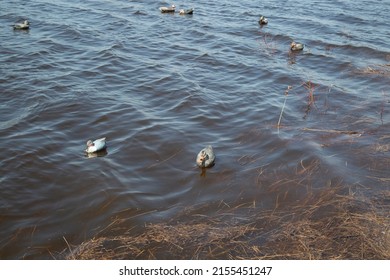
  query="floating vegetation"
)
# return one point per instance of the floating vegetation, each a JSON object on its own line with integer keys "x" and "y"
{"x": 380, "y": 69}
{"x": 309, "y": 86}
{"x": 350, "y": 132}
{"x": 284, "y": 105}
{"x": 268, "y": 46}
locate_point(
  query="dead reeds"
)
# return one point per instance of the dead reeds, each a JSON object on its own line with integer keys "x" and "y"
{"x": 331, "y": 224}
{"x": 268, "y": 46}
{"x": 309, "y": 86}
{"x": 284, "y": 105}
{"x": 379, "y": 69}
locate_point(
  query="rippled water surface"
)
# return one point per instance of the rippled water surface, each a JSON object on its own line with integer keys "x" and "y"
{"x": 162, "y": 86}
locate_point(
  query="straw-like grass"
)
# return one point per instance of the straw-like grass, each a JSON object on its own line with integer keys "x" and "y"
{"x": 310, "y": 87}
{"x": 332, "y": 224}
{"x": 335, "y": 131}
{"x": 380, "y": 69}
{"x": 268, "y": 46}
{"x": 284, "y": 105}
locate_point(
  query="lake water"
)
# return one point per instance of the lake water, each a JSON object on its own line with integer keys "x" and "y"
{"x": 160, "y": 87}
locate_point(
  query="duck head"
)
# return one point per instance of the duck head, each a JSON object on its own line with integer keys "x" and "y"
{"x": 263, "y": 20}
{"x": 203, "y": 158}
{"x": 90, "y": 143}
{"x": 293, "y": 45}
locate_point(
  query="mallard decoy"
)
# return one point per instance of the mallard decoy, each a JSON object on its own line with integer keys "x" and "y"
{"x": 206, "y": 157}
{"x": 22, "y": 25}
{"x": 186, "y": 12}
{"x": 296, "y": 46}
{"x": 96, "y": 146}
{"x": 263, "y": 20}
{"x": 170, "y": 9}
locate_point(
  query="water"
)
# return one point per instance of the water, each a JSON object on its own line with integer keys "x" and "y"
{"x": 160, "y": 87}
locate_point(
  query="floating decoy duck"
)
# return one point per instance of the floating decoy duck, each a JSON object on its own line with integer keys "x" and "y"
{"x": 186, "y": 12}
{"x": 95, "y": 146}
{"x": 206, "y": 157}
{"x": 296, "y": 46}
{"x": 263, "y": 20}
{"x": 22, "y": 25}
{"x": 170, "y": 9}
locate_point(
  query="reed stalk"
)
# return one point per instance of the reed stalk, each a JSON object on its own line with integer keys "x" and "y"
{"x": 284, "y": 105}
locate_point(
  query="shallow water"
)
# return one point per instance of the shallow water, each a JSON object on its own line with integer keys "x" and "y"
{"x": 162, "y": 86}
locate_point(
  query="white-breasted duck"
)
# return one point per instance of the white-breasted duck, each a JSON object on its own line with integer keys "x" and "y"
{"x": 263, "y": 20}
{"x": 22, "y": 25}
{"x": 296, "y": 46}
{"x": 170, "y": 9}
{"x": 186, "y": 12}
{"x": 206, "y": 157}
{"x": 96, "y": 146}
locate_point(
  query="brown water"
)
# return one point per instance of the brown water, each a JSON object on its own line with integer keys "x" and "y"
{"x": 160, "y": 87}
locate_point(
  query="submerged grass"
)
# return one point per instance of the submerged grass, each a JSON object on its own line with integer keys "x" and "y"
{"x": 334, "y": 223}
{"x": 380, "y": 69}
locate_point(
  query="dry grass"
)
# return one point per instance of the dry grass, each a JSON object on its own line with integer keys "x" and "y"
{"x": 380, "y": 69}
{"x": 332, "y": 224}
{"x": 333, "y": 131}
{"x": 310, "y": 87}
{"x": 309, "y": 90}
{"x": 284, "y": 105}
{"x": 268, "y": 46}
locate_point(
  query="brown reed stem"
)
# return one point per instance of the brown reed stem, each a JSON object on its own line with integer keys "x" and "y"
{"x": 284, "y": 105}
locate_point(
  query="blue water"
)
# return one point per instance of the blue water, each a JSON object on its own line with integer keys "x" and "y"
{"x": 162, "y": 86}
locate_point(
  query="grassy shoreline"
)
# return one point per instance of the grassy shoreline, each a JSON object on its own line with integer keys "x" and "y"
{"x": 334, "y": 223}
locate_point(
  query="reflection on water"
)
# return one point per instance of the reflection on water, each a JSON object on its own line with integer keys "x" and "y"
{"x": 159, "y": 85}
{"x": 100, "y": 153}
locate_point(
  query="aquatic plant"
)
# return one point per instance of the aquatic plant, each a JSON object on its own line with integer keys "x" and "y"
{"x": 284, "y": 105}
{"x": 333, "y": 223}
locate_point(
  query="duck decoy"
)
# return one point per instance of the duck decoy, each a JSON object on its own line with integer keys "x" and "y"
{"x": 186, "y": 12}
{"x": 263, "y": 20}
{"x": 96, "y": 146}
{"x": 22, "y": 25}
{"x": 296, "y": 46}
{"x": 206, "y": 157}
{"x": 170, "y": 9}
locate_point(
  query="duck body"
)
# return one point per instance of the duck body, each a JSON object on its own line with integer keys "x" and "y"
{"x": 206, "y": 157}
{"x": 95, "y": 146}
{"x": 186, "y": 12}
{"x": 263, "y": 20}
{"x": 296, "y": 46}
{"x": 22, "y": 25}
{"x": 170, "y": 9}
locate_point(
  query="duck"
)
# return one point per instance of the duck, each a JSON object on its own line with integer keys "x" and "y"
{"x": 296, "y": 46}
{"x": 96, "y": 146}
{"x": 186, "y": 12}
{"x": 263, "y": 20}
{"x": 170, "y": 9}
{"x": 22, "y": 25}
{"x": 206, "y": 157}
